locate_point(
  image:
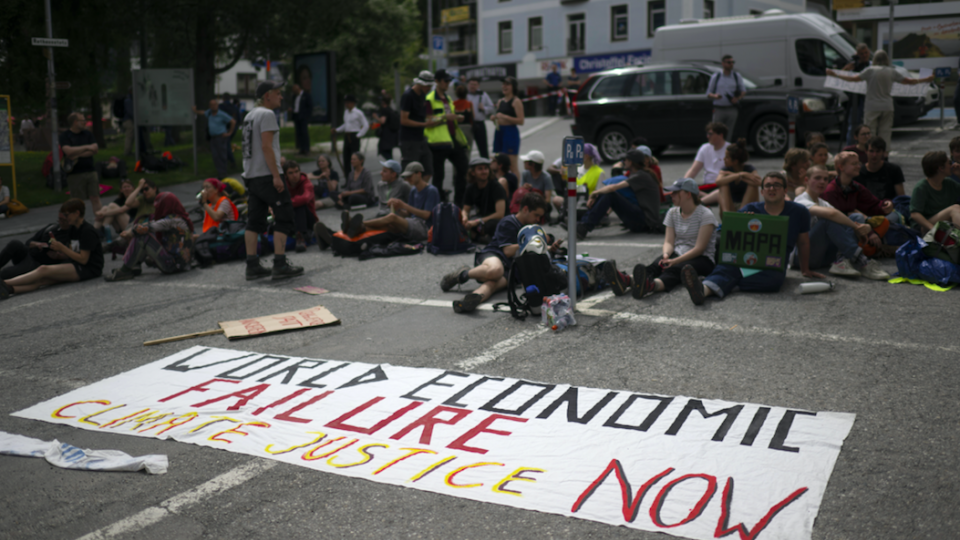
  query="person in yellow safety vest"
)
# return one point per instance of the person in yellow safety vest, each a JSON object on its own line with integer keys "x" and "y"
{"x": 216, "y": 206}
{"x": 446, "y": 140}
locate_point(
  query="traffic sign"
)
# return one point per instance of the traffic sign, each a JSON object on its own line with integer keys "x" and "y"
{"x": 573, "y": 150}
{"x": 438, "y": 43}
{"x": 942, "y": 72}
{"x": 793, "y": 105}
{"x": 47, "y": 42}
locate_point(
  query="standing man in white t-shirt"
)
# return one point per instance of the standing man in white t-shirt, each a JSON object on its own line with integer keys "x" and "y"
{"x": 266, "y": 188}
{"x": 710, "y": 156}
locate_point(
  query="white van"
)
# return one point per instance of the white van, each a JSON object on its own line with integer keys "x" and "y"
{"x": 773, "y": 49}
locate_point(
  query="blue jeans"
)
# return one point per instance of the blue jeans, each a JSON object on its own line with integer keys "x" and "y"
{"x": 828, "y": 238}
{"x": 725, "y": 277}
{"x": 630, "y": 214}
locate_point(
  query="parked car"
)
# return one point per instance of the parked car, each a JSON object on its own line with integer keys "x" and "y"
{"x": 667, "y": 104}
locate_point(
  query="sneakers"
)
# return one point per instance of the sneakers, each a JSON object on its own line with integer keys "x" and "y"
{"x": 468, "y": 304}
{"x": 692, "y": 282}
{"x": 301, "y": 243}
{"x": 452, "y": 279}
{"x": 324, "y": 236}
{"x": 5, "y": 290}
{"x": 843, "y": 267}
{"x": 121, "y": 274}
{"x": 257, "y": 271}
{"x": 619, "y": 282}
{"x": 641, "y": 285}
{"x": 285, "y": 270}
{"x": 872, "y": 270}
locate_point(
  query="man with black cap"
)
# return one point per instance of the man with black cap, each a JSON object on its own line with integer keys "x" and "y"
{"x": 413, "y": 120}
{"x": 638, "y": 207}
{"x": 354, "y": 127}
{"x": 446, "y": 139}
{"x": 412, "y": 216}
{"x": 265, "y": 186}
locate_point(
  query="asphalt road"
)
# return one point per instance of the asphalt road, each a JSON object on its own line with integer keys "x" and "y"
{"x": 885, "y": 352}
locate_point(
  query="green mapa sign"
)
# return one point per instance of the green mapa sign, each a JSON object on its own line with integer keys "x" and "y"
{"x": 756, "y": 241}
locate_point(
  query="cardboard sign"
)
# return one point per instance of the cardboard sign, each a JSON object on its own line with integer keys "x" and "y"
{"x": 755, "y": 241}
{"x": 310, "y": 289}
{"x": 898, "y": 90}
{"x": 690, "y": 467}
{"x": 282, "y": 322}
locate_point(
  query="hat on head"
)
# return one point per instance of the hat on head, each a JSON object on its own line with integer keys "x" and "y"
{"x": 425, "y": 78}
{"x": 535, "y": 156}
{"x": 265, "y": 86}
{"x": 479, "y": 161}
{"x": 442, "y": 75}
{"x": 684, "y": 184}
{"x": 636, "y": 156}
{"x": 412, "y": 168}
{"x": 392, "y": 165}
{"x": 646, "y": 150}
{"x": 350, "y": 98}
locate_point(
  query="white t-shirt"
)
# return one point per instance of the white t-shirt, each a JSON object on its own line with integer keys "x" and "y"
{"x": 806, "y": 201}
{"x": 258, "y": 121}
{"x": 712, "y": 160}
{"x": 688, "y": 229}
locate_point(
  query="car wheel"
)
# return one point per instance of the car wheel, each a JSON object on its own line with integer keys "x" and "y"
{"x": 614, "y": 142}
{"x": 770, "y": 135}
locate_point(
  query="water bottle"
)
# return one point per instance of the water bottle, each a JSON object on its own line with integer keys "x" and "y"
{"x": 815, "y": 287}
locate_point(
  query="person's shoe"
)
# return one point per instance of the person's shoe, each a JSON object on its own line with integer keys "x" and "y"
{"x": 582, "y": 231}
{"x": 301, "y": 243}
{"x": 619, "y": 282}
{"x": 5, "y": 290}
{"x": 136, "y": 271}
{"x": 872, "y": 270}
{"x": 324, "y": 236}
{"x": 641, "y": 285}
{"x": 344, "y": 221}
{"x": 692, "y": 282}
{"x": 844, "y": 267}
{"x": 355, "y": 226}
{"x": 452, "y": 279}
{"x": 468, "y": 304}
{"x": 121, "y": 274}
{"x": 257, "y": 271}
{"x": 284, "y": 271}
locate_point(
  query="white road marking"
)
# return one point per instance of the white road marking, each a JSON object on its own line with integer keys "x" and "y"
{"x": 502, "y": 348}
{"x": 176, "y": 504}
{"x": 541, "y": 127}
{"x": 619, "y": 244}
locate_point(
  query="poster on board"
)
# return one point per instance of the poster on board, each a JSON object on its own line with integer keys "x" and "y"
{"x": 316, "y": 74}
{"x": 163, "y": 97}
{"x": 929, "y": 43}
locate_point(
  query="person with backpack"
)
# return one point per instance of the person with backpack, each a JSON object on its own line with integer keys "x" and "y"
{"x": 492, "y": 264}
{"x": 216, "y": 206}
{"x": 726, "y": 89}
{"x": 165, "y": 240}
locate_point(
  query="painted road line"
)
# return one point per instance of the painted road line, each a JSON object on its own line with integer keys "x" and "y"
{"x": 619, "y": 244}
{"x": 502, "y": 348}
{"x": 541, "y": 127}
{"x": 179, "y": 503}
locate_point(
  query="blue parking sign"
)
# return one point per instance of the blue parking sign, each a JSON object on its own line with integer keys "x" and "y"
{"x": 793, "y": 105}
{"x": 941, "y": 72}
{"x": 573, "y": 150}
{"x": 438, "y": 43}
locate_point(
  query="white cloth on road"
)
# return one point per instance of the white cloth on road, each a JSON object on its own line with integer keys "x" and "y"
{"x": 67, "y": 456}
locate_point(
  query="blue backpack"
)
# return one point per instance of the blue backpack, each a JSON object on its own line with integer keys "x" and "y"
{"x": 448, "y": 234}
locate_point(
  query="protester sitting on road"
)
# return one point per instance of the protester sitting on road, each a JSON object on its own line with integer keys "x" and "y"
{"x": 303, "y": 199}
{"x": 882, "y": 178}
{"x": 216, "y": 206}
{"x": 142, "y": 199}
{"x": 644, "y": 215}
{"x": 390, "y": 186}
{"x": 936, "y": 198}
{"x": 726, "y": 277}
{"x": 849, "y": 196}
{"x": 955, "y": 157}
{"x": 795, "y": 164}
{"x": 834, "y": 237}
{"x": 591, "y": 174}
{"x": 79, "y": 254}
{"x": 534, "y": 177}
{"x": 358, "y": 190}
{"x": 710, "y": 155}
{"x": 492, "y": 264}
{"x": 500, "y": 168}
{"x": 484, "y": 202}
{"x": 820, "y": 155}
{"x": 326, "y": 183}
{"x": 738, "y": 182}
{"x": 164, "y": 241}
{"x": 411, "y": 218}
{"x": 116, "y": 215}
{"x": 690, "y": 239}
{"x": 863, "y": 134}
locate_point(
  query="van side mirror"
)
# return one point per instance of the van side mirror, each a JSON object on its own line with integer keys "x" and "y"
{"x": 777, "y": 82}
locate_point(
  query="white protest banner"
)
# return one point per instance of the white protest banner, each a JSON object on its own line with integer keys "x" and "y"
{"x": 898, "y": 90}
{"x": 696, "y": 468}
{"x": 281, "y": 322}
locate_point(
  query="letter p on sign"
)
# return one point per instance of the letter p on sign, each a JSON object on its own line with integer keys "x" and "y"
{"x": 573, "y": 150}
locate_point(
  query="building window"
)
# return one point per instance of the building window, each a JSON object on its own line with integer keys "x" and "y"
{"x": 618, "y": 23}
{"x": 576, "y": 35}
{"x": 506, "y": 37}
{"x": 535, "y": 33}
{"x": 246, "y": 84}
{"x": 707, "y": 9}
{"x": 656, "y": 16}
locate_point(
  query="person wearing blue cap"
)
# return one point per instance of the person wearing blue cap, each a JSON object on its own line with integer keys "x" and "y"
{"x": 389, "y": 187}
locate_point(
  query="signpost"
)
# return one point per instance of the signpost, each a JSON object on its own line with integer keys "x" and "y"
{"x": 942, "y": 73}
{"x": 438, "y": 43}
{"x": 572, "y": 157}
{"x": 50, "y": 43}
{"x": 793, "y": 109}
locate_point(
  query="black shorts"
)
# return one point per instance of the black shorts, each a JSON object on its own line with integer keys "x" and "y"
{"x": 263, "y": 195}
{"x": 85, "y": 272}
{"x": 484, "y": 255}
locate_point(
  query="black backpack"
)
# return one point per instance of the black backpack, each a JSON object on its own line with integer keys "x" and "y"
{"x": 536, "y": 274}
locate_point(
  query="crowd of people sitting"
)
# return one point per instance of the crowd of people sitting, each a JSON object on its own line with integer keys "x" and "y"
{"x": 838, "y": 208}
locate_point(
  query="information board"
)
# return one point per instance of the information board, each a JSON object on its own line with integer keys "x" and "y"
{"x": 163, "y": 97}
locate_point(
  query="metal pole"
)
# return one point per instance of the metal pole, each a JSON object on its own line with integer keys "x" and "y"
{"x": 890, "y": 34}
{"x": 193, "y": 99}
{"x": 433, "y": 66}
{"x": 942, "y": 88}
{"x": 572, "y": 269}
{"x": 792, "y": 138}
{"x": 136, "y": 127}
{"x": 54, "y": 131}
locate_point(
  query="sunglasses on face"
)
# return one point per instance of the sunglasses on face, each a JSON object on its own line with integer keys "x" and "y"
{"x": 773, "y": 186}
